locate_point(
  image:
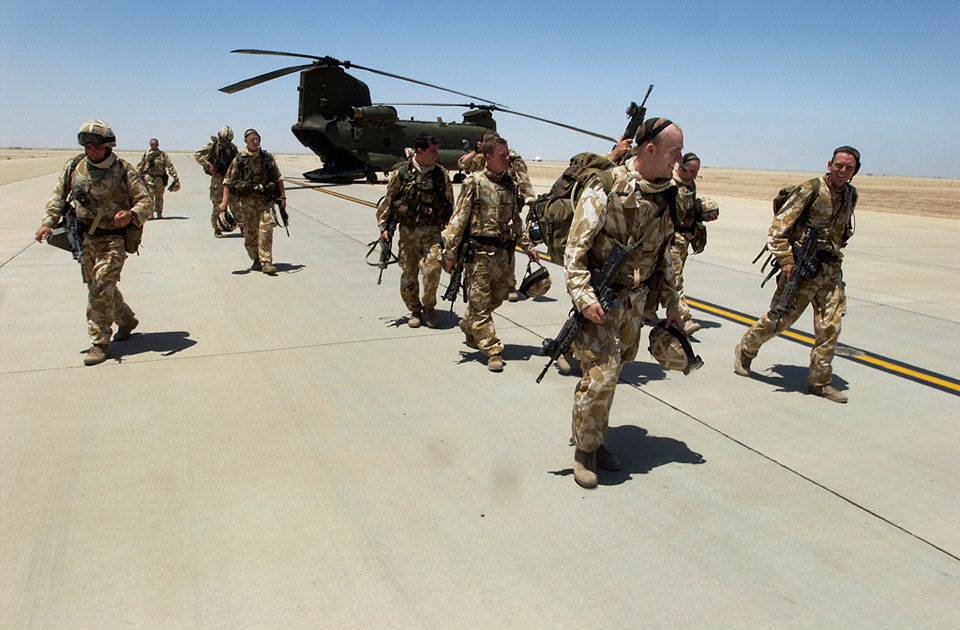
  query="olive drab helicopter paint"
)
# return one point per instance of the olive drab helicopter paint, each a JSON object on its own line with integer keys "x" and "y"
{"x": 356, "y": 138}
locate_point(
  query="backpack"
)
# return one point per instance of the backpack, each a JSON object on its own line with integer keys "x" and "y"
{"x": 553, "y": 210}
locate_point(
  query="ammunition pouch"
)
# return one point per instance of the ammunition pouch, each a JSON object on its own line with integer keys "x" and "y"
{"x": 132, "y": 235}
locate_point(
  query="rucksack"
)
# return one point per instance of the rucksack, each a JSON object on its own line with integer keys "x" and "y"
{"x": 553, "y": 210}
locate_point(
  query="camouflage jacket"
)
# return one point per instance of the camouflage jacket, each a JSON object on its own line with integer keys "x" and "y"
{"x": 831, "y": 212}
{"x": 258, "y": 171}
{"x": 93, "y": 183}
{"x": 216, "y": 154}
{"x": 601, "y": 220}
{"x": 155, "y": 164}
{"x": 517, "y": 170}
{"x": 411, "y": 194}
{"x": 489, "y": 209}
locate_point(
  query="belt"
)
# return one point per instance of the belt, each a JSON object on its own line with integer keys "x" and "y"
{"x": 102, "y": 232}
{"x": 827, "y": 257}
{"x": 493, "y": 241}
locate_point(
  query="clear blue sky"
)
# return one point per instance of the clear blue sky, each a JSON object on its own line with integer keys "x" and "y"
{"x": 754, "y": 85}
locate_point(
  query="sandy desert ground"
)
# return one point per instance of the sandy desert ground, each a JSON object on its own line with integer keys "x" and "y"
{"x": 921, "y": 196}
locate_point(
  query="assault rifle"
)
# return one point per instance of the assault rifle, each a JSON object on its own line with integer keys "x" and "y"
{"x": 464, "y": 255}
{"x": 636, "y": 114}
{"x": 386, "y": 246}
{"x": 283, "y": 219}
{"x": 601, "y": 281}
{"x": 805, "y": 267}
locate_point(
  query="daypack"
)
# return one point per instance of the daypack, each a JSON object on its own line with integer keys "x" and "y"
{"x": 553, "y": 211}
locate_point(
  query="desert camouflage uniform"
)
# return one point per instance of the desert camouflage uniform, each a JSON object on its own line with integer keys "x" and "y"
{"x": 419, "y": 226}
{"x": 831, "y": 212}
{"x": 255, "y": 207}
{"x": 518, "y": 172}
{"x": 599, "y": 221}
{"x": 680, "y": 244}
{"x": 152, "y": 167}
{"x": 216, "y": 154}
{"x": 490, "y": 209}
{"x": 104, "y": 252}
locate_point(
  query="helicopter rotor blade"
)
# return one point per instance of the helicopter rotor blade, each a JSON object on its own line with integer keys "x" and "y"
{"x": 348, "y": 65}
{"x": 494, "y": 108}
{"x": 254, "y": 51}
{"x": 257, "y": 80}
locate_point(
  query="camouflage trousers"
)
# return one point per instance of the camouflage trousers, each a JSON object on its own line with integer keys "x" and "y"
{"x": 679, "y": 249}
{"x": 216, "y": 196}
{"x": 826, "y": 294}
{"x": 258, "y": 233}
{"x": 155, "y": 192}
{"x": 419, "y": 254}
{"x": 488, "y": 285}
{"x": 602, "y": 349}
{"x": 103, "y": 258}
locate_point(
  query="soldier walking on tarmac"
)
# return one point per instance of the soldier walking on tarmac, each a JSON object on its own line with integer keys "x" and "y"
{"x": 487, "y": 207}
{"x": 826, "y": 204}
{"x": 109, "y": 199}
{"x": 215, "y": 158}
{"x": 155, "y": 168}
{"x": 254, "y": 180}
{"x": 420, "y": 199}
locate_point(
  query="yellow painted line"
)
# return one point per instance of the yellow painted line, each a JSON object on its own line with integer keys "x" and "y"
{"x": 864, "y": 358}
{"x": 737, "y": 317}
{"x": 332, "y": 192}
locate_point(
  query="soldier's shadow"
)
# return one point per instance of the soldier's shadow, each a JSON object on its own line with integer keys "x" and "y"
{"x": 642, "y": 372}
{"x": 445, "y": 321}
{"x": 166, "y": 218}
{"x": 164, "y": 343}
{"x": 511, "y": 352}
{"x": 288, "y": 268}
{"x": 639, "y": 453}
{"x": 791, "y": 378}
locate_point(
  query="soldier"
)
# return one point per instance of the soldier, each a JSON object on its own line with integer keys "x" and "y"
{"x": 215, "y": 157}
{"x": 109, "y": 197}
{"x": 475, "y": 161}
{"x": 420, "y": 197}
{"x": 488, "y": 207}
{"x": 255, "y": 181}
{"x": 154, "y": 167}
{"x": 690, "y": 231}
{"x": 638, "y": 212}
{"x": 828, "y": 204}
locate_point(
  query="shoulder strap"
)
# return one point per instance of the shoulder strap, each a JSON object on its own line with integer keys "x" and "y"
{"x": 71, "y": 169}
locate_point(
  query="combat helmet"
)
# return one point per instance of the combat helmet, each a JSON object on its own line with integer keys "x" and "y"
{"x": 672, "y": 350}
{"x": 225, "y": 133}
{"x": 97, "y": 133}
{"x": 226, "y": 222}
{"x": 536, "y": 283}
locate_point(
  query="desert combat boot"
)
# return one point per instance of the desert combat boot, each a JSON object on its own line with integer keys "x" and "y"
{"x": 741, "y": 362}
{"x": 585, "y": 468}
{"x": 829, "y": 392}
{"x": 98, "y": 354}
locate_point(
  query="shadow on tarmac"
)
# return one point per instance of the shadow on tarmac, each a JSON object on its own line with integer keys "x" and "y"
{"x": 638, "y": 372}
{"x": 164, "y": 343}
{"x": 792, "y": 378}
{"x": 511, "y": 352}
{"x": 166, "y": 218}
{"x": 445, "y": 321}
{"x": 281, "y": 268}
{"x": 640, "y": 453}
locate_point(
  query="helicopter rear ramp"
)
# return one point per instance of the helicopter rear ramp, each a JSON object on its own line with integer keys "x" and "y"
{"x": 285, "y": 452}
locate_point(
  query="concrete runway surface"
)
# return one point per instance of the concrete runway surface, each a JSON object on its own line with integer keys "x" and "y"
{"x": 284, "y": 452}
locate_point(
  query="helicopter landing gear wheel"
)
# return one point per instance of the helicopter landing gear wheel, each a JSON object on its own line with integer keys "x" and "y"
{"x": 371, "y": 176}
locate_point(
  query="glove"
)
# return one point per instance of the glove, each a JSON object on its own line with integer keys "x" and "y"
{"x": 174, "y": 185}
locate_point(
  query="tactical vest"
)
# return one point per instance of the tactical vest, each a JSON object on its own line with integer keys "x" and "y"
{"x": 249, "y": 178}
{"x": 152, "y": 169}
{"x": 221, "y": 156}
{"x": 418, "y": 203}
{"x": 603, "y": 242}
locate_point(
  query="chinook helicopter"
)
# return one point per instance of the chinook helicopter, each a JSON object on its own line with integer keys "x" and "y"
{"x": 355, "y": 138}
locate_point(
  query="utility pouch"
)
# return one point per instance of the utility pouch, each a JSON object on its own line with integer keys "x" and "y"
{"x": 132, "y": 237}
